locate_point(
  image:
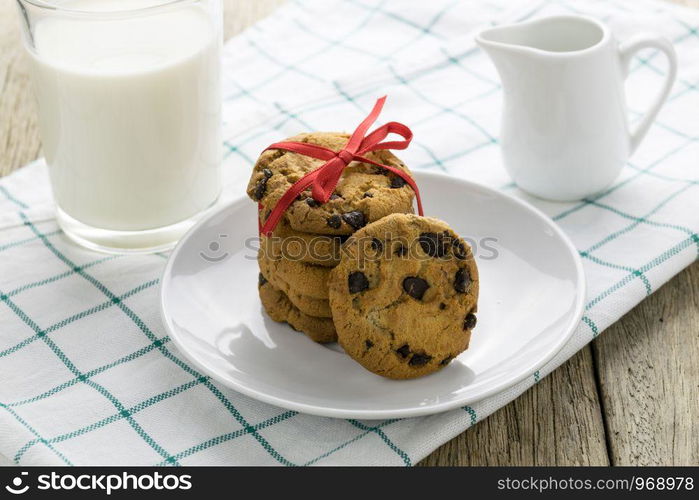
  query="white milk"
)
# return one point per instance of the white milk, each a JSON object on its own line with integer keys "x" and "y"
{"x": 130, "y": 113}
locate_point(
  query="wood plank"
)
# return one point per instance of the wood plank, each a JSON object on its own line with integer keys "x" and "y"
{"x": 19, "y": 135}
{"x": 649, "y": 377}
{"x": 648, "y": 371}
{"x": 556, "y": 422}
{"x": 651, "y": 412}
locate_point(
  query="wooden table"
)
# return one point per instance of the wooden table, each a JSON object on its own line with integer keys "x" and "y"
{"x": 629, "y": 398}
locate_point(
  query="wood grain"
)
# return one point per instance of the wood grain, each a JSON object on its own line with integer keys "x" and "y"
{"x": 19, "y": 136}
{"x": 556, "y": 422}
{"x": 632, "y": 397}
{"x": 644, "y": 410}
{"x": 648, "y": 367}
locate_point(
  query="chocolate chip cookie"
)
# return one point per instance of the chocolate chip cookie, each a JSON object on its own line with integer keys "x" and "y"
{"x": 280, "y": 308}
{"x": 287, "y": 243}
{"x": 291, "y": 276}
{"x": 404, "y": 296}
{"x": 365, "y": 193}
{"x": 319, "y": 308}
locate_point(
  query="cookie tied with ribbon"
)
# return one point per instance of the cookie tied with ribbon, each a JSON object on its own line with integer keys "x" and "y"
{"x": 332, "y": 183}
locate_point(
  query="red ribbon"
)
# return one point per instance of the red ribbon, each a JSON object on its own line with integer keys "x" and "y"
{"x": 324, "y": 179}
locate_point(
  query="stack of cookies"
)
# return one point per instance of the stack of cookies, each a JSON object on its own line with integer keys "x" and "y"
{"x": 297, "y": 258}
{"x": 398, "y": 291}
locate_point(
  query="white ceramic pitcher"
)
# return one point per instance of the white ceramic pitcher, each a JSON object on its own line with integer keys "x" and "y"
{"x": 565, "y": 134}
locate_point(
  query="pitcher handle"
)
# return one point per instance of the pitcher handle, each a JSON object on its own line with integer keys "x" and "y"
{"x": 626, "y": 51}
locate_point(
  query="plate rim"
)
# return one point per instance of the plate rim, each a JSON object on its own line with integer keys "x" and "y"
{"x": 322, "y": 411}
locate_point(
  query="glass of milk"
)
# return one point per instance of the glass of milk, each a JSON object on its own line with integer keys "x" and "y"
{"x": 129, "y": 103}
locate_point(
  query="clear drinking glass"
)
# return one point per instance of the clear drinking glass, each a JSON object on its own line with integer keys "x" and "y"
{"x": 129, "y": 100}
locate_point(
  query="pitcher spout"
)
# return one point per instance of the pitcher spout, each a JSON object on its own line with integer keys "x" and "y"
{"x": 553, "y": 36}
{"x": 523, "y": 52}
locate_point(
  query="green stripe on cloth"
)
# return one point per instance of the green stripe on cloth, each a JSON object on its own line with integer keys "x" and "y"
{"x": 377, "y": 430}
{"x": 231, "y": 436}
{"x": 472, "y": 413}
{"x": 692, "y": 240}
{"x": 325, "y": 48}
{"x": 356, "y": 438}
{"x": 592, "y": 325}
{"x": 122, "y": 414}
{"x": 142, "y": 326}
{"x": 33, "y": 431}
{"x": 125, "y": 359}
{"x": 69, "y": 364}
{"x": 623, "y": 183}
{"x": 27, "y": 240}
{"x": 57, "y": 277}
{"x": 10, "y": 197}
{"x": 453, "y": 94}
{"x": 71, "y": 319}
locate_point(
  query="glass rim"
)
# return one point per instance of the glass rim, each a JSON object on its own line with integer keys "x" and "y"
{"x": 50, "y": 5}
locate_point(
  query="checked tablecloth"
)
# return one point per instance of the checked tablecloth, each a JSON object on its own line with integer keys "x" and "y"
{"x": 87, "y": 373}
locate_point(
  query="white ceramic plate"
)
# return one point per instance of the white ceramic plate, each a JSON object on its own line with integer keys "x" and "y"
{"x": 531, "y": 299}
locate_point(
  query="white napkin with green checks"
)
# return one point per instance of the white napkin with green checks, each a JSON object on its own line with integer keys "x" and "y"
{"x": 87, "y": 372}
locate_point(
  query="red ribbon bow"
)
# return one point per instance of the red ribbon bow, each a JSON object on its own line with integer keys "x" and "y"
{"x": 324, "y": 179}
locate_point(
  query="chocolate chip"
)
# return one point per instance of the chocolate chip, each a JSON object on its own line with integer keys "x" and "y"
{"x": 446, "y": 360}
{"x": 357, "y": 282}
{"x": 376, "y": 245}
{"x": 368, "y": 195}
{"x": 462, "y": 281}
{"x": 335, "y": 197}
{"x": 355, "y": 219}
{"x": 380, "y": 171}
{"x": 415, "y": 287}
{"x": 470, "y": 321}
{"x": 459, "y": 249}
{"x": 369, "y": 344}
{"x": 433, "y": 244}
{"x": 267, "y": 173}
{"x": 404, "y": 351}
{"x": 260, "y": 188}
{"x": 400, "y": 250}
{"x": 397, "y": 182}
{"x": 419, "y": 359}
{"x": 261, "y": 280}
{"x": 312, "y": 203}
{"x": 442, "y": 306}
{"x": 334, "y": 221}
